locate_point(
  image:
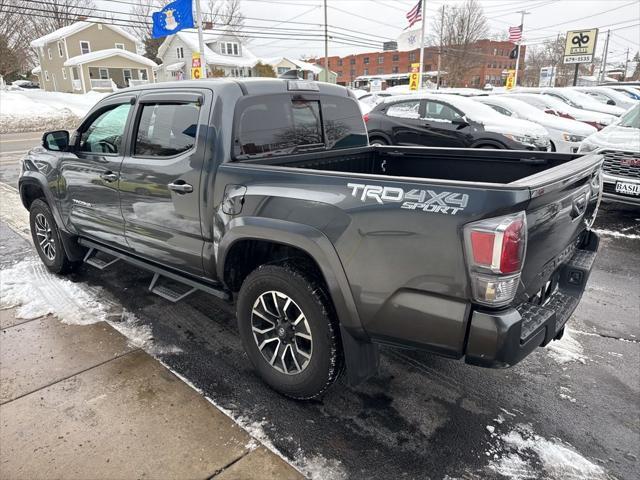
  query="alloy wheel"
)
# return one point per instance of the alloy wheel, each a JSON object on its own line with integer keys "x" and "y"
{"x": 281, "y": 332}
{"x": 45, "y": 237}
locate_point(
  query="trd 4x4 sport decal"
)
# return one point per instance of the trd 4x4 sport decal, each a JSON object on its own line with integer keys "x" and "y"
{"x": 448, "y": 203}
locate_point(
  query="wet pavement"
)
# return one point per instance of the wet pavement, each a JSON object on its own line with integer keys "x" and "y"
{"x": 569, "y": 411}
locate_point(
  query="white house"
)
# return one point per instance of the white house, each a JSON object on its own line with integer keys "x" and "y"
{"x": 309, "y": 71}
{"x": 225, "y": 54}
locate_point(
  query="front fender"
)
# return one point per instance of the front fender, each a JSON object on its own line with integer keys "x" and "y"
{"x": 308, "y": 239}
{"x": 37, "y": 179}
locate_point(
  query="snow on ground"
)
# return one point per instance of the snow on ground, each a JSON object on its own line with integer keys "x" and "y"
{"x": 521, "y": 453}
{"x": 35, "y": 292}
{"x": 37, "y": 110}
{"x": 566, "y": 350}
{"x": 616, "y": 234}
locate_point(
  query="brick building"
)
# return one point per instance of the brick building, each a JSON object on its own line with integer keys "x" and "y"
{"x": 493, "y": 61}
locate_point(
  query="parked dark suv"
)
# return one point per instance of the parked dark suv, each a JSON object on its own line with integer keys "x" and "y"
{"x": 449, "y": 121}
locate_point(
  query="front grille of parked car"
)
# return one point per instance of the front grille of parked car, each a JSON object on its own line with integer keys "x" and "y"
{"x": 622, "y": 164}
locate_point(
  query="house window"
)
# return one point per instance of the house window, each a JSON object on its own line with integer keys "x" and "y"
{"x": 85, "y": 48}
{"x": 60, "y": 50}
{"x": 396, "y": 58}
{"x": 104, "y": 73}
{"x": 380, "y": 60}
{"x": 99, "y": 26}
{"x": 412, "y": 56}
{"x": 179, "y": 52}
{"x": 229, "y": 48}
{"x": 126, "y": 73}
{"x": 143, "y": 74}
{"x": 365, "y": 60}
{"x": 366, "y": 71}
{"x": 380, "y": 70}
{"x": 282, "y": 70}
{"x": 46, "y": 75}
{"x": 339, "y": 62}
{"x": 120, "y": 46}
{"x": 395, "y": 69}
{"x": 352, "y": 61}
{"x": 49, "y": 53}
{"x": 64, "y": 73}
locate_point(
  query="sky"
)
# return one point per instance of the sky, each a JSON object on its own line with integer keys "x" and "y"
{"x": 365, "y": 24}
{"x": 378, "y": 19}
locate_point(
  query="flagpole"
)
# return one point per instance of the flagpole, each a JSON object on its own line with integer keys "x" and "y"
{"x": 522, "y": 13}
{"x": 424, "y": 19}
{"x": 203, "y": 60}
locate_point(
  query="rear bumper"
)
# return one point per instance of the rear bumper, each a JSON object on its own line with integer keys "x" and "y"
{"x": 502, "y": 339}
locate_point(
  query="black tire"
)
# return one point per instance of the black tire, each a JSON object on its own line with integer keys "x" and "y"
{"x": 44, "y": 231}
{"x": 307, "y": 295}
{"x": 378, "y": 141}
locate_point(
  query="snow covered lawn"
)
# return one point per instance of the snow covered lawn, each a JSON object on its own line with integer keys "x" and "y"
{"x": 37, "y": 110}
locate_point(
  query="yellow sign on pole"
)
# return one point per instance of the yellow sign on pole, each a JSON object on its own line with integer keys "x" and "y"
{"x": 511, "y": 79}
{"x": 413, "y": 76}
{"x": 196, "y": 66}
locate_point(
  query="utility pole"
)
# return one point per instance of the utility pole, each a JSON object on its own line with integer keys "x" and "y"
{"x": 203, "y": 60}
{"x": 440, "y": 49}
{"x": 556, "y": 60}
{"x": 326, "y": 45}
{"x": 626, "y": 65}
{"x": 522, "y": 14}
{"x": 424, "y": 20}
{"x": 603, "y": 68}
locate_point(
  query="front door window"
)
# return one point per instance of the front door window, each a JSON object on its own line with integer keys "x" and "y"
{"x": 104, "y": 133}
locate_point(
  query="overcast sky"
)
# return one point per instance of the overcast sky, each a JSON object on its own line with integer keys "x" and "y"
{"x": 386, "y": 18}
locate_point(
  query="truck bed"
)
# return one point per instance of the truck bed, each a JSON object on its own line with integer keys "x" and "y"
{"x": 463, "y": 165}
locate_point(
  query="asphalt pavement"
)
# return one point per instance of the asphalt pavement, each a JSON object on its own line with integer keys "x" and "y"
{"x": 569, "y": 411}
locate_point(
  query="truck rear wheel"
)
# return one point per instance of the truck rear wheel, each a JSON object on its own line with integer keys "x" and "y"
{"x": 289, "y": 331}
{"x": 47, "y": 240}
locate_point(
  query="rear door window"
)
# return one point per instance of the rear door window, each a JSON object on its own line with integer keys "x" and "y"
{"x": 165, "y": 130}
{"x": 440, "y": 112}
{"x": 408, "y": 109}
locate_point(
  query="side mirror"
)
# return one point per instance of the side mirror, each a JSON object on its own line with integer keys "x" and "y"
{"x": 56, "y": 141}
{"x": 610, "y": 102}
{"x": 460, "y": 123}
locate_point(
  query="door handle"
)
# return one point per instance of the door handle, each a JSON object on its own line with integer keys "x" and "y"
{"x": 109, "y": 176}
{"x": 180, "y": 186}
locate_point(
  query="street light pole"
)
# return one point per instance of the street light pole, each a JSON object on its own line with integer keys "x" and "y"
{"x": 326, "y": 45}
{"x": 424, "y": 20}
{"x": 522, "y": 14}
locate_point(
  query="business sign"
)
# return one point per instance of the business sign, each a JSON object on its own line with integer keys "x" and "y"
{"x": 375, "y": 85}
{"x": 580, "y": 46}
{"x": 547, "y": 77}
{"x": 196, "y": 66}
{"x": 413, "y": 76}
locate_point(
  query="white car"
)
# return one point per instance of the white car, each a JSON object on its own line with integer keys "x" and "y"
{"x": 554, "y": 106}
{"x": 627, "y": 90}
{"x": 581, "y": 100}
{"x": 620, "y": 145}
{"x": 608, "y": 96}
{"x": 565, "y": 135}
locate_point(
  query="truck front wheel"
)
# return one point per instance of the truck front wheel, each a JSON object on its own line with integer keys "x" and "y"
{"x": 47, "y": 239}
{"x": 289, "y": 331}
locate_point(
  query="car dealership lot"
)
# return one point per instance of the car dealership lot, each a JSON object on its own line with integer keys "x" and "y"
{"x": 566, "y": 412}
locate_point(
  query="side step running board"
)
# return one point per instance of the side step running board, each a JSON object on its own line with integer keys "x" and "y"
{"x": 166, "y": 283}
{"x": 98, "y": 259}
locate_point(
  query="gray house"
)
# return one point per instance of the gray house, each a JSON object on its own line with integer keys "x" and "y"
{"x": 225, "y": 54}
{"x": 89, "y": 55}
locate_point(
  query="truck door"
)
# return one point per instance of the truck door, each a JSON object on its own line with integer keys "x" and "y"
{"x": 89, "y": 172}
{"x": 160, "y": 177}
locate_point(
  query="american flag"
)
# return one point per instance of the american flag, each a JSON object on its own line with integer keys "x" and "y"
{"x": 415, "y": 14}
{"x": 515, "y": 33}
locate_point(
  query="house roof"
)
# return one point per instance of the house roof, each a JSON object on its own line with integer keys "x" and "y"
{"x": 77, "y": 27}
{"x": 190, "y": 38}
{"x": 300, "y": 64}
{"x": 109, "y": 52}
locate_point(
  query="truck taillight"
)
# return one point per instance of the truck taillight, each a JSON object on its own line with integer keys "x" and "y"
{"x": 495, "y": 249}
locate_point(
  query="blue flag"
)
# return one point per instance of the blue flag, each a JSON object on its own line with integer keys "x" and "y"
{"x": 172, "y": 18}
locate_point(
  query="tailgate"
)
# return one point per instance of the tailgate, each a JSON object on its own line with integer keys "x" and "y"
{"x": 564, "y": 205}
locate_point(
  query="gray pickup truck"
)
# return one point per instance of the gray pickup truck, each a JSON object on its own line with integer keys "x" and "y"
{"x": 265, "y": 193}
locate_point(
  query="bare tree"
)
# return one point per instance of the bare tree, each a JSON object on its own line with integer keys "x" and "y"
{"x": 16, "y": 56}
{"x": 464, "y": 24}
{"x": 60, "y": 13}
{"x": 224, "y": 12}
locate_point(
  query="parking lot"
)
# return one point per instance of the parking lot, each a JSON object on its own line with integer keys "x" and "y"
{"x": 567, "y": 411}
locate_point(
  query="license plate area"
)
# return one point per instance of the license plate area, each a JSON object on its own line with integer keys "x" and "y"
{"x": 628, "y": 188}
{"x": 544, "y": 294}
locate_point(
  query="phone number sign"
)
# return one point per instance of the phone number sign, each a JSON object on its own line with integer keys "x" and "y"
{"x": 580, "y": 46}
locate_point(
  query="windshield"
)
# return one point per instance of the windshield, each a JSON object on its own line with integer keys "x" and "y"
{"x": 631, "y": 119}
{"x": 520, "y": 107}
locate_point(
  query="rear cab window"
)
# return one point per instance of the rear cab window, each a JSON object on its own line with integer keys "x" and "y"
{"x": 282, "y": 124}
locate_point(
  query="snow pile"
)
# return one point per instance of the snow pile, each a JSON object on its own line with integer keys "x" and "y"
{"x": 35, "y": 292}
{"x": 524, "y": 450}
{"x": 566, "y": 350}
{"x": 37, "y": 110}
